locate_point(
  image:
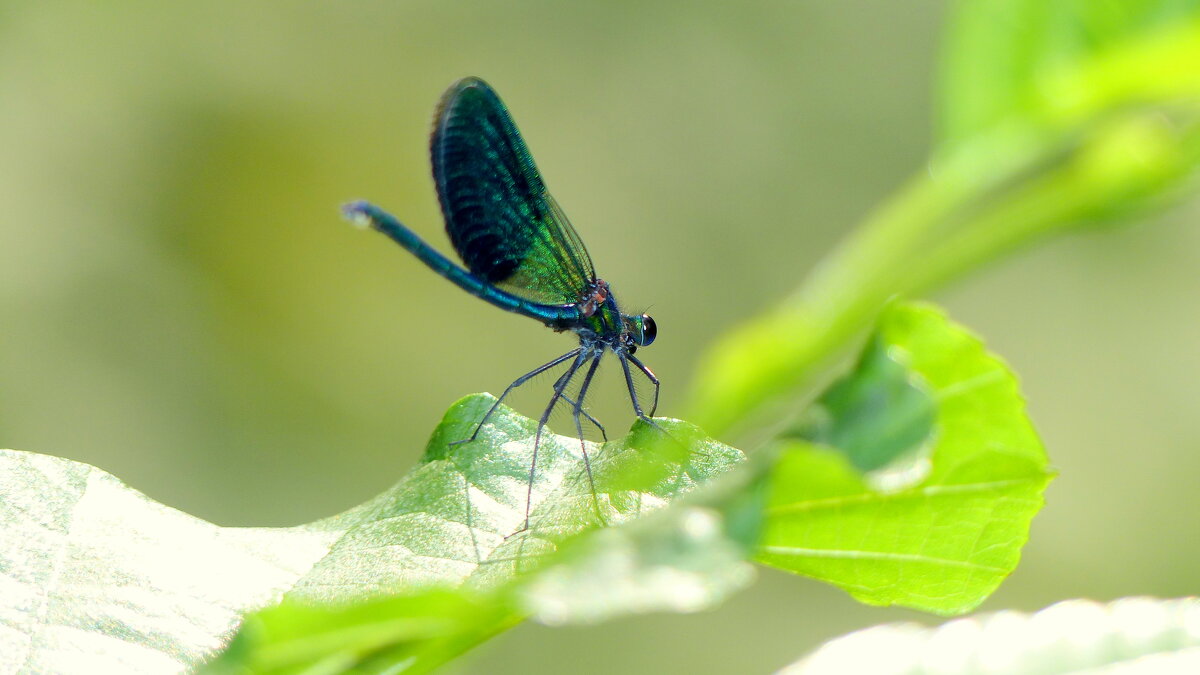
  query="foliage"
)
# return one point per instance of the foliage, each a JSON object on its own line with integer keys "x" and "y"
{"x": 442, "y": 560}
{"x": 911, "y": 481}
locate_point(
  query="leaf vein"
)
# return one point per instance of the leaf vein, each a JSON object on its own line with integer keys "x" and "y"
{"x": 799, "y": 552}
{"x": 867, "y": 497}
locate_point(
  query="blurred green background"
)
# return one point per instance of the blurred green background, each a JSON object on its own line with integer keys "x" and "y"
{"x": 180, "y": 304}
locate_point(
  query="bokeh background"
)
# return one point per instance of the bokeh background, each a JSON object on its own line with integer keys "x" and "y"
{"x": 180, "y": 304}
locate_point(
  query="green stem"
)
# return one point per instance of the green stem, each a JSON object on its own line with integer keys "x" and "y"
{"x": 987, "y": 199}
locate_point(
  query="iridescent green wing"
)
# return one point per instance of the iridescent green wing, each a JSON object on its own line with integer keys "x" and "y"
{"x": 506, "y": 227}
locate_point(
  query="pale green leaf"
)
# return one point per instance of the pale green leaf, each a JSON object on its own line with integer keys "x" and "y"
{"x": 1077, "y": 637}
{"x": 97, "y": 575}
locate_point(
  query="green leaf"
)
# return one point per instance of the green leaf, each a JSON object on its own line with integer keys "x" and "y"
{"x": 1062, "y": 115}
{"x": 1131, "y": 635}
{"x": 1009, "y": 61}
{"x": 1065, "y": 115}
{"x": 416, "y": 632}
{"x": 940, "y": 538}
{"x": 98, "y": 575}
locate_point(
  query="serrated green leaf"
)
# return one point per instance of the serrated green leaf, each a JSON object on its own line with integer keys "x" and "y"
{"x": 1079, "y": 637}
{"x": 685, "y": 557}
{"x": 941, "y": 544}
{"x": 97, "y": 576}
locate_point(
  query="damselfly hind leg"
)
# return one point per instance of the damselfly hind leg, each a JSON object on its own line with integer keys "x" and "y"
{"x": 559, "y": 386}
{"x": 507, "y": 390}
{"x": 577, "y": 410}
{"x": 596, "y": 423}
